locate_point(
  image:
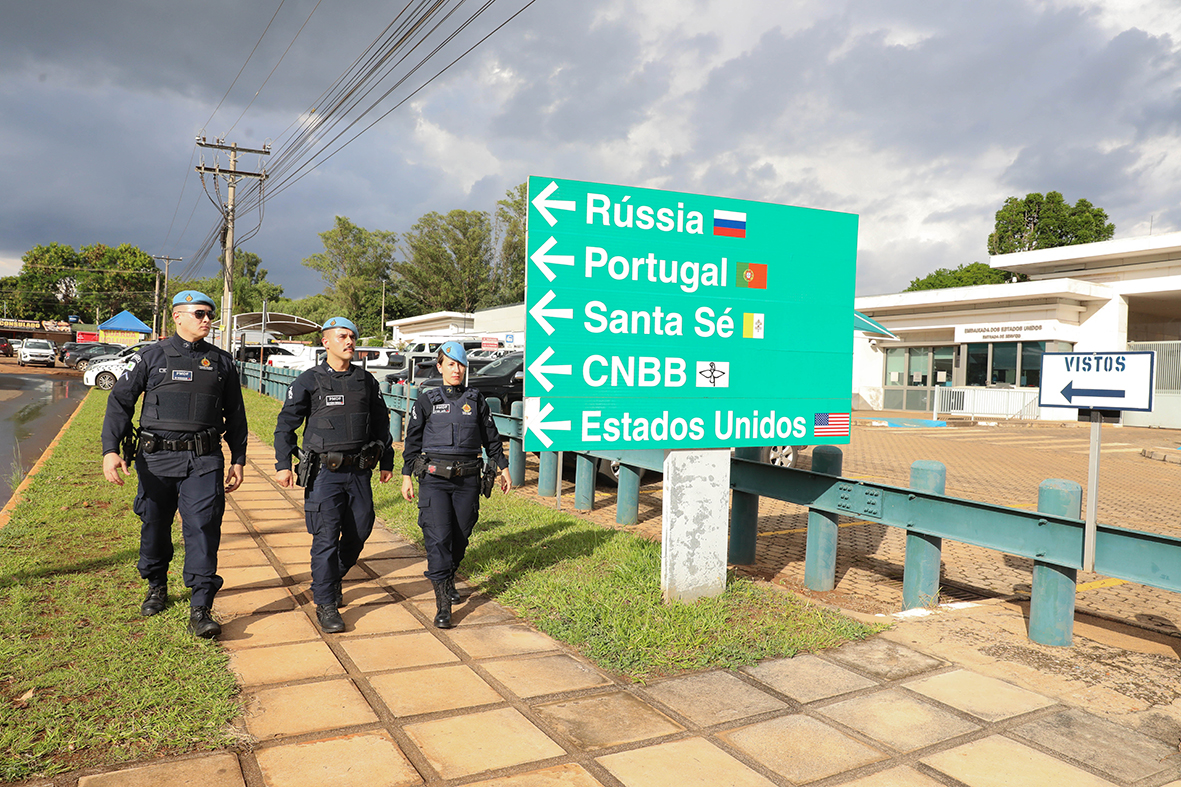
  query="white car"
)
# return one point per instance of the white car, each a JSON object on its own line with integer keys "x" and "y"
{"x": 104, "y": 374}
{"x": 37, "y": 351}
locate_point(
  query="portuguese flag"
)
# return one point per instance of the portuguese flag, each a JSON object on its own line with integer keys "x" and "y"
{"x": 752, "y": 275}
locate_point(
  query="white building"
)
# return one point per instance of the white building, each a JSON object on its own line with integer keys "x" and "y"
{"x": 505, "y": 323}
{"x": 979, "y": 348}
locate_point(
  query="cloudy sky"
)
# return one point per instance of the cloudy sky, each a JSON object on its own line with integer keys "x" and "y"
{"x": 921, "y": 117}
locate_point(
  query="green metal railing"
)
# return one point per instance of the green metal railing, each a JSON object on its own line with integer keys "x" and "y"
{"x": 1052, "y": 536}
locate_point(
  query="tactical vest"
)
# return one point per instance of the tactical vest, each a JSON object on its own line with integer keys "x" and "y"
{"x": 451, "y": 430}
{"x": 189, "y": 397}
{"x": 339, "y": 420}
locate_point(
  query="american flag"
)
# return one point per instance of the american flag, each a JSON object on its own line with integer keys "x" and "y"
{"x": 831, "y": 425}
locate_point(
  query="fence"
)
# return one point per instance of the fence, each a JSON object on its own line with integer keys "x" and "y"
{"x": 1003, "y": 403}
{"x": 1052, "y": 536}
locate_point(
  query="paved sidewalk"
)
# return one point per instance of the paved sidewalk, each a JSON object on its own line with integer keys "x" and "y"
{"x": 394, "y": 701}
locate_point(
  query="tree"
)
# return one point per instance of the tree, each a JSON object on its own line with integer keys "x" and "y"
{"x": 963, "y": 276}
{"x": 448, "y": 265}
{"x": 354, "y": 263}
{"x": 1038, "y": 222}
{"x": 96, "y": 282}
{"x": 509, "y": 230}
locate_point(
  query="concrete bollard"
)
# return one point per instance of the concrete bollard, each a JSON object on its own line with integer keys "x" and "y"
{"x": 820, "y": 557}
{"x": 744, "y": 518}
{"x": 1051, "y": 603}
{"x": 924, "y": 553}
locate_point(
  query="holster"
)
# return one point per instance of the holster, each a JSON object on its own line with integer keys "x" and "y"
{"x": 129, "y": 446}
{"x": 370, "y": 455}
{"x": 488, "y": 480}
{"x": 305, "y": 471}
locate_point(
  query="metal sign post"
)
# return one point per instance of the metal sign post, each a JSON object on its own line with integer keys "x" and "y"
{"x": 1100, "y": 385}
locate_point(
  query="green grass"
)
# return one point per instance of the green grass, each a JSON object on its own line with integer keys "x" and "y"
{"x": 84, "y": 680}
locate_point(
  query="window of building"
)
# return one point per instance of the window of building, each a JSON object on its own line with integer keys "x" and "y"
{"x": 977, "y": 372}
{"x": 1031, "y": 364}
{"x": 1004, "y": 363}
{"x": 943, "y": 367}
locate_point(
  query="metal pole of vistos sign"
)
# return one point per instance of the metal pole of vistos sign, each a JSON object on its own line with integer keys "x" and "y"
{"x": 1092, "y": 492}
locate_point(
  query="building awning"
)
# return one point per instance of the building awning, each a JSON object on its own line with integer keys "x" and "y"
{"x": 866, "y": 325}
{"x": 278, "y": 322}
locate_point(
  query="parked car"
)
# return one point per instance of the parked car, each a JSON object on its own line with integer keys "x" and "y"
{"x": 104, "y": 374}
{"x": 16, "y": 344}
{"x": 120, "y": 354}
{"x": 782, "y": 455}
{"x": 252, "y": 352}
{"x": 79, "y": 356}
{"x": 37, "y": 351}
{"x": 5, "y": 347}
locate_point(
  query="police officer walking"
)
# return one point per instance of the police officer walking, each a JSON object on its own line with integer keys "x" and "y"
{"x": 448, "y": 426}
{"x": 192, "y": 396}
{"x": 347, "y": 435}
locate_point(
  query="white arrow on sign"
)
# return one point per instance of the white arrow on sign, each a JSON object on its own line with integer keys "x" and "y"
{"x": 540, "y": 370}
{"x": 535, "y": 421}
{"x": 544, "y": 204}
{"x": 539, "y": 313}
{"x": 542, "y": 259}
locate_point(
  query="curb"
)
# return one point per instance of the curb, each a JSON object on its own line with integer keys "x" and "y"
{"x": 17, "y": 494}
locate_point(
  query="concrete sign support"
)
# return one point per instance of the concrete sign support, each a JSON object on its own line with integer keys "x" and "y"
{"x": 1096, "y": 383}
{"x": 694, "y": 524}
{"x": 689, "y": 323}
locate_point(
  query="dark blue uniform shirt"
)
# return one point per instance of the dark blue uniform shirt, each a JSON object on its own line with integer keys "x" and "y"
{"x": 146, "y": 372}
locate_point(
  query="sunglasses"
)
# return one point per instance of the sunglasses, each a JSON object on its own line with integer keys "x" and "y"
{"x": 201, "y": 314}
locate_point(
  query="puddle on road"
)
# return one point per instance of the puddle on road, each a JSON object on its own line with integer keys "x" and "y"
{"x": 32, "y": 411}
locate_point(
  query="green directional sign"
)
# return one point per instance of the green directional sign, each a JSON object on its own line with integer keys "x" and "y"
{"x": 658, "y": 319}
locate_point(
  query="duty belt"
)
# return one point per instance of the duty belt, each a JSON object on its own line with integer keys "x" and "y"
{"x": 200, "y": 443}
{"x": 454, "y": 468}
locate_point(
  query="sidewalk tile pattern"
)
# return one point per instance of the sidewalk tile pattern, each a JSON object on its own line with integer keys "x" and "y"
{"x": 394, "y": 701}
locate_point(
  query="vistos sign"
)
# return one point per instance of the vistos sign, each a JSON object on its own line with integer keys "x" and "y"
{"x": 659, "y": 319}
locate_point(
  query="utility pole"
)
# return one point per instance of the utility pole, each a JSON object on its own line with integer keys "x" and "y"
{"x": 382, "y": 313}
{"x": 232, "y": 177}
{"x": 159, "y": 317}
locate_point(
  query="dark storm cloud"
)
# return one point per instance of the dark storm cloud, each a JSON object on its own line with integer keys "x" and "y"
{"x": 587, "y": 82}
{"x": 919, "y": 116}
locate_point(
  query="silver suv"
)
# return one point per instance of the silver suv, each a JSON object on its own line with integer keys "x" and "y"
{"x": 37, "y": 351}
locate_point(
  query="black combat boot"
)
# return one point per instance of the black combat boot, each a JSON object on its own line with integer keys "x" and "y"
{"x": 452, "y": 592}
{"x": 339, "y": 593}
{"x": 202, "y": 624}
{"x": 154, "y": 601}
{"x": 329, "y": 617}
{"x": 442, "y": 605}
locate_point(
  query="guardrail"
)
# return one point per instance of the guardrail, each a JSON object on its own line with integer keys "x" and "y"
{"x": 1006, "y": 403}
{"x": 1052, "y": 536}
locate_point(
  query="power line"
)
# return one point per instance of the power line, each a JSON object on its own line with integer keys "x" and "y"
{"x": 298, "y": 153}
{"x": 243, "y": 68}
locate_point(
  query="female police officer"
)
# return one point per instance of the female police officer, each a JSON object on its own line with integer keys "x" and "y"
{"x": 448, "y": 427}
{"x": 347, "y": 435}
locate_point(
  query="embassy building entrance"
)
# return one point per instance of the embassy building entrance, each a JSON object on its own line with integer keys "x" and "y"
{"x": 986, "y": 342}
{"x": 912, "y": 374}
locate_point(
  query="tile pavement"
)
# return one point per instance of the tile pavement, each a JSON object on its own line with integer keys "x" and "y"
{"x": 394, "y": 701}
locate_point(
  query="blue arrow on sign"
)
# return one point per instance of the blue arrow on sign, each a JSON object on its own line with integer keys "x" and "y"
{"x": 1070, "y": 391}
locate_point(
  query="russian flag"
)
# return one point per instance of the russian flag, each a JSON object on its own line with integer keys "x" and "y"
{"x": 730, "y": 223}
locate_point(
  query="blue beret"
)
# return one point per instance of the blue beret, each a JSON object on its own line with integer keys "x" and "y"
{"x": 455, "y": 351}
{"x": 341, "y": 322}
{"x": 192, "y": 297}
